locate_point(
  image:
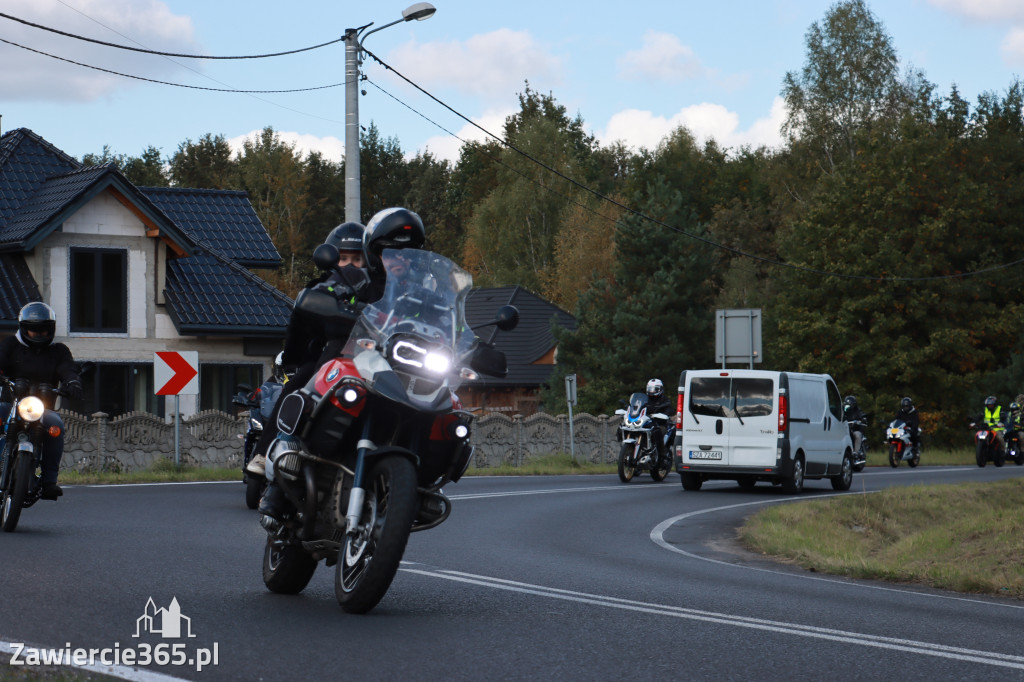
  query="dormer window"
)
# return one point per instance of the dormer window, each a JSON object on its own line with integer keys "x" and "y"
{"x": 99, "y": 290}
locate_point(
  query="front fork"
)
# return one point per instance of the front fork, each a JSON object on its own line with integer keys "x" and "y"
{"x": 357, "y": 495}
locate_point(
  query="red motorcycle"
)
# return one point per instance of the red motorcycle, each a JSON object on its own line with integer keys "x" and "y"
{"x": 377, "y": 432}
{"x": 986, "y": 445}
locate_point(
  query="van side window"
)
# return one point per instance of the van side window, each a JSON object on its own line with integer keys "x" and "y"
{"x": 835, "y": 402}
{"x": 754, "y": 397}
{"x": 709, "y": 396}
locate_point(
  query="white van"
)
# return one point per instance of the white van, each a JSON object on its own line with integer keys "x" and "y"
{"x": 755, "y": 425}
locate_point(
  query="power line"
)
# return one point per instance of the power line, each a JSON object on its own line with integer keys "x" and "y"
{"x": 164, "y": 54}
{"x": 159, "y": 82}
{"x": 709, "y": 242}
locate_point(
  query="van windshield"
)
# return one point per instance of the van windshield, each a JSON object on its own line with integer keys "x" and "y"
{"x": 725, "y": 397}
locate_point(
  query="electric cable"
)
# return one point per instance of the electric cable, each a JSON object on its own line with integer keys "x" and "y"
{"x": 165, "y": 54}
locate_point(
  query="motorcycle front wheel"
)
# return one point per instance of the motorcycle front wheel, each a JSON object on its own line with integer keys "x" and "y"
{"x": 17, "y": 491}
{"x": 627, "y": 465}
{"x": 980, "y": 454}
{"x": 662, "y": 469}
{"x": 894, "y": 455}
{"x": 369, "y": 558}
{"x": 287, "y": 567}
{"x": 254, "y": 487}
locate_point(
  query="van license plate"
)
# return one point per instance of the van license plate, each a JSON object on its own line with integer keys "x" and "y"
{"x": 705, "y": 454}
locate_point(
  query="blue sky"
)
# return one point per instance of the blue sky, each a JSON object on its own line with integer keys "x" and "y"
{"x": 633, "y": 70}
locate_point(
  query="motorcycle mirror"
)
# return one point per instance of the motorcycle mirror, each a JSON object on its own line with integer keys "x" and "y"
{"x": 486, "y": 359}
{"x": 325, "y": 256}
{"x": 243, "y": 388}
{"x": 506, "y": 319}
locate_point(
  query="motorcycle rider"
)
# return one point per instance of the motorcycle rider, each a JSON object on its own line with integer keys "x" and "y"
{"x": 32, "y": 357}
{"x": 658, "y": 403}
{"x": 992, "y": 420}
{"x": 1014, "y": 421}
{"x": 909, "y": 416}
{"x": 358, "y": 278}
{"x": 857, "y": 419}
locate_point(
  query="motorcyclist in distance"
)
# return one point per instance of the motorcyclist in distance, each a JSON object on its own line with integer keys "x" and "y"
{"x": 909, "y": 416}
{"x": 31, "y": 356}
{"x": 993, "y": 421}
{"x": 658, "y": 403}
{"x": 856, "y": 418}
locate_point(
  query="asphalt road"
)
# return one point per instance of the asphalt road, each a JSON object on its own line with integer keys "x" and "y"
{"x": 574, "y": 577}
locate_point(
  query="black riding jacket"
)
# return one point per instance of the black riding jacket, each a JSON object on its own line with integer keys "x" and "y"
{"x": 51, "y": 364}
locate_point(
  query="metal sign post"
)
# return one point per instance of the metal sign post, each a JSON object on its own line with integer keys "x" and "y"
{"x": 570, "y": 396}
{"x": 176, "y": 373}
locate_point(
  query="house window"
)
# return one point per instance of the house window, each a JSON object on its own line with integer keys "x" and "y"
{"x": 116, "y": 388}
{"x": 217, "y": 384}
{"x": 99, "y": 290}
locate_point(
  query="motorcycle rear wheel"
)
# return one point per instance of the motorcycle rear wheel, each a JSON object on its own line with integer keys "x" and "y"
{"x": 894, "y": 456}
{"x": 369, "y": 559}
{"x": 17, "y": 491}
{"x": 981, "y": 454}
{"x": 661, "y": 470}
{"x": 254, "y": 487}
{"x": 627, "y": 467}
{"x": 287, "y": 567}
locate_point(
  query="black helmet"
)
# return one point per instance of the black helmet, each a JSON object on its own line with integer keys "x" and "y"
{"x": 906, "y": 404}
{"x": 392, "y": 228}
{"x": 655, "y": 388}
{"x": 1014, "y": 407}
{"x": 347, "y": 237}
{"x": 850, "y": 403}
{"x": 37, "y": 324}
{"x": 990, "y": 401}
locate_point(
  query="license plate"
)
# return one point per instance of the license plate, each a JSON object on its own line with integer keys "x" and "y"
{"x": 705, "y": 454}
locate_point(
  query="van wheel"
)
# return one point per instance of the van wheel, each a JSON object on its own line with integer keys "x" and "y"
{"x": 795, "y": 483}
{"x": 691, "y": 481}
{"x": 845, "y": 477}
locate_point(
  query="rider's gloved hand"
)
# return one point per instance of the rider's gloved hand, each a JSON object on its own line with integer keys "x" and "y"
{"x": 73, "y": 389}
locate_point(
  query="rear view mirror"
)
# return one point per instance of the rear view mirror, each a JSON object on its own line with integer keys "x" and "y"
{"x": 325, "y": 257}
{"x": 506, "y": 319}
{"x": 487, "y": 359}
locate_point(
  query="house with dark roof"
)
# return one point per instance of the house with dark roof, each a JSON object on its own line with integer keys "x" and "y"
{"x": 530, "y": 349}
{"x": 131, "y": 271}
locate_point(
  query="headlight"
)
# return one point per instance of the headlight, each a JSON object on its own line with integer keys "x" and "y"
{"x": 31, "y": 409}
{"x": 414, "y": 355}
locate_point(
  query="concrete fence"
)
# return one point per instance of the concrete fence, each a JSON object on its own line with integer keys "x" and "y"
{"x": 136, "y": 440}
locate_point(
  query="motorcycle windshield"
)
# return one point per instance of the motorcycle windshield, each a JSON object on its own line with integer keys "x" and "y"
{"x": 637, "y": 407}
{"x": 417, "y": 330}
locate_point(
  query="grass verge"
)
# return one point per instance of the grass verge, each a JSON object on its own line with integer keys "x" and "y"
{"x": 162, "y": 471}
{"x": 965, "y": 537}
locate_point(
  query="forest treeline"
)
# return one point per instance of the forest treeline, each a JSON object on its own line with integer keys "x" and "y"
{"x": 882, "y": 241}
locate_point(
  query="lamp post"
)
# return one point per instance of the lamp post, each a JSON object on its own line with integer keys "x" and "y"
{"x": 354, "y": 39}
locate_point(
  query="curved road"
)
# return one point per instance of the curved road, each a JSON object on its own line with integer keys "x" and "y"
{"x": 577, "y": 577}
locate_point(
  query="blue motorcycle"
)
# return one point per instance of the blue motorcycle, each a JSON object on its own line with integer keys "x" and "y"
{"x": 639, "y": 451}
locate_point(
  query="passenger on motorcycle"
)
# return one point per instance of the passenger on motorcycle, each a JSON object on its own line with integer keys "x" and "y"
{"x": 31, "y": 356}
{"x": 908, "y": 414}
{"x": 658, "y": 403}
{"x": 1014, "y": 420}
{"x": 856, "y": 418}
{"x": 992, "y": 420}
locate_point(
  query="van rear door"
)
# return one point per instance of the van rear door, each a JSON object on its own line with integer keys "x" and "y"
{"x": 705, "y": 419}
{"x": 753, "y": 429}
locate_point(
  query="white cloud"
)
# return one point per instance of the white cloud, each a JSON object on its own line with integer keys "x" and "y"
{"x": 1012, "y": 48}
{"x": 984, "y": 10}
{"x": 448, "y": 147}
{"x": 330, "y": 147}
{"x": 491, "y": 65}
{"x": 139, "y": 23}
{"x": 705, "y": 121}
{"x": 661, "y": 57}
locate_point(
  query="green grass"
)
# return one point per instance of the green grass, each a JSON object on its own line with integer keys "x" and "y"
{"x": 878, "y": 455}
{"x": 554, "y": 464}
{"x": 162, "y": 471}
{"x": 967, "y": 537}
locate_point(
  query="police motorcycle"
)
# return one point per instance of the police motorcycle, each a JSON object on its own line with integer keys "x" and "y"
{"x": 901, "y": 448}
{"x": 260, "y": 404}
{"x": 377, "y": 432}
{"x": 638, "y": 451}
{"x": 21, "y": 445}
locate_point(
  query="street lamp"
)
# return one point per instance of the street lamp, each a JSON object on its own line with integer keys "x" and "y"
{"x": 354, "y": 39}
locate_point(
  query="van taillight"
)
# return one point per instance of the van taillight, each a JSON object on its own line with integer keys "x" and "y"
{"x": 783, "y": 414}
{"x": 679, "y": 412}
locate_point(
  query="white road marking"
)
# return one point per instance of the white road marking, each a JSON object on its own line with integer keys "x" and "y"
{"x": 796, "y": 629}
